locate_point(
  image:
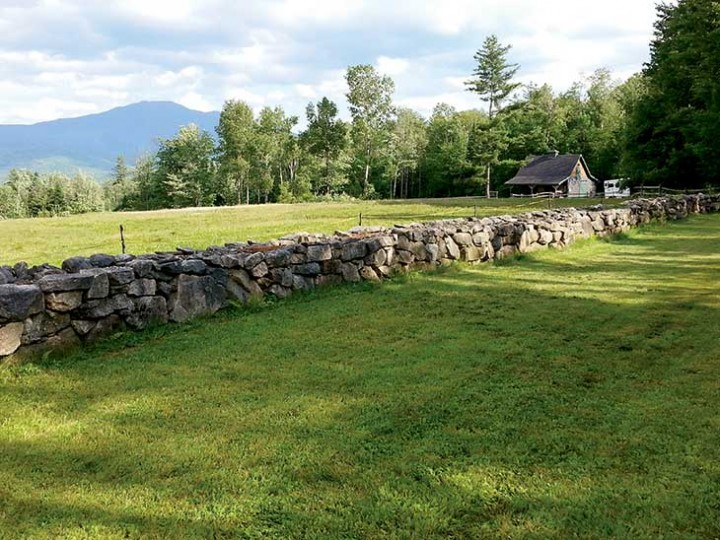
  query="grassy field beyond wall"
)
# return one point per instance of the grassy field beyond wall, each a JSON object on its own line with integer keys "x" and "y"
{"x": 564, "y": 394}
{"x": 54, "y": 239}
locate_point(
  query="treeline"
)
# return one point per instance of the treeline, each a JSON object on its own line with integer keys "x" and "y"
{"x": 30, "y": 194}
{"x": 660, "y": 126}
{"x": 383, "y": 152}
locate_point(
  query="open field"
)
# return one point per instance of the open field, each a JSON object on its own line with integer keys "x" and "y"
{"x": 54, "y": 239}
{"x": 564, "y": 394}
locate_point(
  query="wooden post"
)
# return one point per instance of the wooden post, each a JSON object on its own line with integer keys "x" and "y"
{"x": 360, "y": 219}
{"x": 122, "y": 238}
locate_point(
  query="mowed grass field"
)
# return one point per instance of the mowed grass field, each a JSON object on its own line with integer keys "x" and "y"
{"x": 568, "y": 394}
{"x": 52, "y": 240}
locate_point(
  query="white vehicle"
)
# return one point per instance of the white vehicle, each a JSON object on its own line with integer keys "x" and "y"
{"x": 613, "y": 190}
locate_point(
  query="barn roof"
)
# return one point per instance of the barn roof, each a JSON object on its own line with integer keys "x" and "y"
{"x": 548, "y": 170}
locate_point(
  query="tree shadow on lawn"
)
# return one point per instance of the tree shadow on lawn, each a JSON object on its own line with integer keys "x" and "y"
{"x": 463, "y": 403}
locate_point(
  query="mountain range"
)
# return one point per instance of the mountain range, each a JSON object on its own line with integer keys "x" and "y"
{"x": 92, "y": 143}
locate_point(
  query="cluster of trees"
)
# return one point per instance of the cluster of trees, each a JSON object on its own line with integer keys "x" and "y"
{"x": 674, "y": 127}
{"x": 660, "y": 126}
{"x": 29, "y": 194}
{"x": 383, "y": 151}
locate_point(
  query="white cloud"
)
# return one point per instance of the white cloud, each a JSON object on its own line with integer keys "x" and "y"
{"x": 69, "y": 57}
{"x": 392, "y": 66}
{"x": 193, "y": 100}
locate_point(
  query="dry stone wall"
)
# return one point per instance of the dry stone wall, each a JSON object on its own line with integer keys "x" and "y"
{"x": 44, "y": 307}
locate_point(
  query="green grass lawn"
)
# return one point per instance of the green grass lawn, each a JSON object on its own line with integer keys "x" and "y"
{"x": 54, "y": 239}
{"x": 563, "y": 395}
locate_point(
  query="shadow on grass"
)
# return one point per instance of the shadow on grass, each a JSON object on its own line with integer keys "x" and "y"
{"x": 522, "y": 400}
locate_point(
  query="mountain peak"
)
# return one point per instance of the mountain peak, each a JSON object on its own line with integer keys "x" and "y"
{"x": 93, "y": 142}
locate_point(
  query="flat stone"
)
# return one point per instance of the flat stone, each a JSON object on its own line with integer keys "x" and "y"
{"x": 148, "y": 311}
{"x": 472, "y": 253}
{"x": 101, "y": 260}
{"x": 419, "y": 251}
{"x": 66, "y": 282}
{"x": 119, "y": 275}
{"x": 143, "y": 268}
{"x": 242, "y": 278}
{"x": 354, "y": 250}
{"x": 100, "y": 309}
{"x": 43, "y": 325}
{"x": 253, "y": 260}
{"x": 453, "y": 250}
{"x": 303, "y": 283}
{"x": 282, "y": 276}
{"x": 463, "y": 239}
{"x": 277, "y": 258}
{"x": 17, "y": 302}
{"x": 260, "y": 270}
{"x": 142, "y": 287}
{"x": 236, "y": 292}
{"x": 10, "y": 338}
{"x": 100, "y": 286}
{"x": 63, "y": 301}
{"x": 188, "y": 266}
{"x": 368, "y": 274}
{"x": 350, "y": 273}
{"x": 195, "y": 296}
{"x": 307, "y": 269}
{"x": 319, "y": 252}
{"x": 405, "y": 257}
{"x": 75, "y": 264}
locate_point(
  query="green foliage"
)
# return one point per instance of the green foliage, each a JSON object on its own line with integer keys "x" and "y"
{"x": 326, "y": 140}
{"x": 406, "y": 149}
{"x": 370, "y": 99}
{"x": 234, "y": 152}
{"x": 570, "y": 395}
{"x": 446, "y": 168}
{"x": 675, "y": 125}
{"x": 29, "y": 194}
{"x": 185, "y": 170}
{"x": 493, "y": 74}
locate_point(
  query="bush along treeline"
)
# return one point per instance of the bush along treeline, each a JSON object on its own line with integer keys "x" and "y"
{"x": 659, "y": 127}
{"x": 29, "y": 194}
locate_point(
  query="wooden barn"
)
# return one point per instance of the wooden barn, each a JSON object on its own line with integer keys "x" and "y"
{"x": 564, "y": 175}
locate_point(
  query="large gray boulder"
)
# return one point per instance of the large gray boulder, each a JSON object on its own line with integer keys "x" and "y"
{"x": 148, "y": 311}
{"x": 195, "y": 295}
{"x": 66, "y": 282}
{"x": 17, "y": 302}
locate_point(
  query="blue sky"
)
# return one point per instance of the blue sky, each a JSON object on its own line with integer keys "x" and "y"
{"x": 61, "y": 58}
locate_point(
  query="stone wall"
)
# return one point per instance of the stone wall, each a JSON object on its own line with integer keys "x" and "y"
{"x": 45, "y": 307}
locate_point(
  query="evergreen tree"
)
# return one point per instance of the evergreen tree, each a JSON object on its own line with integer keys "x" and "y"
{"x": 674, "y": 128}
{"x": 492, "y": 81}
{"x": 493, "y": 74}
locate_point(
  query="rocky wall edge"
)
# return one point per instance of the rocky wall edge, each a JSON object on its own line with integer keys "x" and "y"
{"x": 49, "y": 308}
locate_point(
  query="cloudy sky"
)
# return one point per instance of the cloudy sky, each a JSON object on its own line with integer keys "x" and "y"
{"x": 61, "y": 58}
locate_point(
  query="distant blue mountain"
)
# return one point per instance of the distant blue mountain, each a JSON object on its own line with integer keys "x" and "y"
{"x": 92, "y": 143}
